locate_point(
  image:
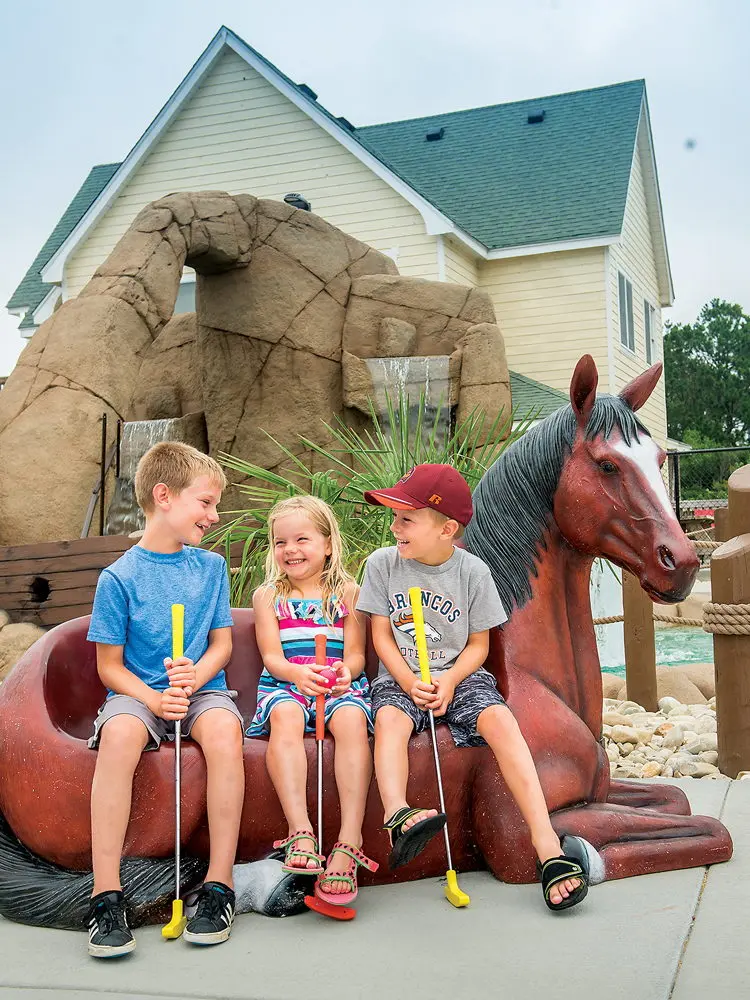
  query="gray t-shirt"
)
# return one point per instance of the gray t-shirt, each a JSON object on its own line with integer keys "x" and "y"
{"x": 459, "y": 598}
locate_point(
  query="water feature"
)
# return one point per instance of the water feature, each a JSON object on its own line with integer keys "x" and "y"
{"x": 605, "y": 590}
{"x": 124, "y": 514}
{"x": 674, "y": 646}
{"x": 416, "y": 377}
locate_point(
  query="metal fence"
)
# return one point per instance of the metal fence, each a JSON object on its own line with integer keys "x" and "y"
{"x": 698, "y": 478}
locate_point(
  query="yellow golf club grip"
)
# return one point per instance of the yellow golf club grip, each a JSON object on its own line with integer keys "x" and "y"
{"x": 178, "y": 630}
{"x": 415, "y": 599}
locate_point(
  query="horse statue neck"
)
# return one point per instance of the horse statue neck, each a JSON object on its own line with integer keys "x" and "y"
{"x": 550, "y": 639}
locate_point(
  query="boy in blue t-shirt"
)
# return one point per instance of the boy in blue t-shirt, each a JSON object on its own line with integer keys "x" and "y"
{"x": 178, "y": 488}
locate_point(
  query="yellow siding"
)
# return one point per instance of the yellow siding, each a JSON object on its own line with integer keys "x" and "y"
{"x": 239, "y": 134}
{"x": 551, "y": 309}
{"x": 634, "y": 257}
{"x": 460, "y": 263}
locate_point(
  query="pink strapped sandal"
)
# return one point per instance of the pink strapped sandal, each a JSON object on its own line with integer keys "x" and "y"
{"x": 293, "y": 852}
{"x": 350, "y": 876}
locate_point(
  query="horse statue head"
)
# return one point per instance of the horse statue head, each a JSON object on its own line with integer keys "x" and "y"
{"x": 588, "y": 477}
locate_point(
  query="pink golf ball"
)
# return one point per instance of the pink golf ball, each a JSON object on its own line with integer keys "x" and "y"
{"x": 328, "y": 677}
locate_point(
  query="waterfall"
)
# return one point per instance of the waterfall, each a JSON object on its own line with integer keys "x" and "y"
{"x": 606, "y": 599}
{"x": 124, "y": 514}
{"x": 411, "y": 377}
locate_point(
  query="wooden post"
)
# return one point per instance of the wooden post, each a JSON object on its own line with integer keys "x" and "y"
{"x": 640, "y": 645}
{"x": 721, "y": 525}
{"x": 730, "y": 584}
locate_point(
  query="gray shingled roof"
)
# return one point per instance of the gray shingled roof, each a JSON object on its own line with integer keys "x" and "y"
{"x": 510, "y": 183}
{"x": 32, "y": 289}
{"x": 534, "y": 398}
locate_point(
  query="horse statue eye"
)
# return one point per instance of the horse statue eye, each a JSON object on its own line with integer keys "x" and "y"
{"x": 608, "y": 467}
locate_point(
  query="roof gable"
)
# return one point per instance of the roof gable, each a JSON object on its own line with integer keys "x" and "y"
{"x": 510, "y": 183}
{"x": 532, "y": 398}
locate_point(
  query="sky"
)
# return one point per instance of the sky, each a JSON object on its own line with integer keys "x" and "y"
{"x": 81, "y": 81}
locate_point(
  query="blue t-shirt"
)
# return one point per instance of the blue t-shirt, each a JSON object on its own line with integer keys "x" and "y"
{"x": 133, "y": 608}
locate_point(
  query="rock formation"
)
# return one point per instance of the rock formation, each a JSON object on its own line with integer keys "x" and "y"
{"x": 282, "y": 297}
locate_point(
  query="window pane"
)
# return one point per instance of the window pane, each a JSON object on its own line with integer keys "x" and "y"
{"x": 647, "y": 330}
{"x": 631, "y": 327}
{"x": 623, "y": 310}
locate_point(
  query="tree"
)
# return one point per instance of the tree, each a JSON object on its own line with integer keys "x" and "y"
{"x": 707, "y": 371}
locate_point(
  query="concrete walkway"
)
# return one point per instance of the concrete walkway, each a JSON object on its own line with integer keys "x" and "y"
{"x": 676, "y": 936}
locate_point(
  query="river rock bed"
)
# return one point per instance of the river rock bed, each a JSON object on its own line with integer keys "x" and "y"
{"x": 678, "y": 741}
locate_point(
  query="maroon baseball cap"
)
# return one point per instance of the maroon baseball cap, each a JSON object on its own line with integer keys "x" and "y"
{"x": 438, "y": 487}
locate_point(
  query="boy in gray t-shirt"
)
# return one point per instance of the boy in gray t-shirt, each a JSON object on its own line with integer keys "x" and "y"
{"x": 432, "y": 505}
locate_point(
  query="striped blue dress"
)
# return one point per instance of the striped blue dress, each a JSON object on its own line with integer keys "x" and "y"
{"x": 300, "y": 621}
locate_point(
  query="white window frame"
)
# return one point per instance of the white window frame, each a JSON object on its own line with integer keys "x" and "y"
{"x": 625, "y": 302}
{"x": 649, "y": 332}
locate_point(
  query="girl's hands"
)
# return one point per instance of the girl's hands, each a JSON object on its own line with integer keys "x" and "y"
{"x": 307, "y": 682}
{"x": 343, "y": 678}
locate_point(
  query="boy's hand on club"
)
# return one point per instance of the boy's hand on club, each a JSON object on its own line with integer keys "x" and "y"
{"x": 421, "y": 693}
{"x": 445, "y": 688}
{"x": 173, "y": 704}
{"x": 181, "y": 673}
{"x": 307, "y": 681}
{"x": 343, "y": 678}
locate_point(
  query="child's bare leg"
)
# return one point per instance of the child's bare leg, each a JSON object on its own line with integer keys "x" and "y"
{"x": 219, "y": 734}
{"x": 498, "y": 727}
{"x": 393, "y": 728}
{"x": 286, "y": 761}
{"x": 121, "y": 744}
{"x": 353, "y": 769}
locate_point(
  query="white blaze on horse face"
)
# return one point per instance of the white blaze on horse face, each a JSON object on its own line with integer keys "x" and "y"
{"x": 644, "y": 454}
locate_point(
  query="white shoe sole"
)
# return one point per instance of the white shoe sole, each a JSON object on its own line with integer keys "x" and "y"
{"x": 105, "y": 951}
{"x": 216, "y": 938}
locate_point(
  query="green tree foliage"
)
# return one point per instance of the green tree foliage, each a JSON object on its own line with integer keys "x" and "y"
{"x": 707, "y": 370}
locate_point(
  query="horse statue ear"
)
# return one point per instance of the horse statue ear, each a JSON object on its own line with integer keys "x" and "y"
{"x": 637, "y": 392}
{"x": 583, "y": 388}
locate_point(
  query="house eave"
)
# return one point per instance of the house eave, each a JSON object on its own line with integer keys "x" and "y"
{"x": 645, "y": 143}
{"x": 555, "y": 246}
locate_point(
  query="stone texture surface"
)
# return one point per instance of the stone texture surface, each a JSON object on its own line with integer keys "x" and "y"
{"x": 280, "y": 293}
{"x": 15, "y": 639}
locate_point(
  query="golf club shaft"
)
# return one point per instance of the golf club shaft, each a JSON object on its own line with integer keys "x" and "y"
{"x": 320, "y": 731}
{"x": 439, "y": 774}
{"x": 177, "y": 810}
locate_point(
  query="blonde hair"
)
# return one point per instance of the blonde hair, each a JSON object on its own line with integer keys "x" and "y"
{"x": 176, "y": 465}
{"x": 334, "y": 577}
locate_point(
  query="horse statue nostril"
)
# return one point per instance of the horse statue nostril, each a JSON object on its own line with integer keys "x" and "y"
{"x": 666, "y": 558}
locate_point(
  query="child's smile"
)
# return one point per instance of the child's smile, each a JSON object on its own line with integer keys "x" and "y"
{"x": 299, "y": 548}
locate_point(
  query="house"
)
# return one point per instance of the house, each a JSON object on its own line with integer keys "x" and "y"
{"x": 550, "y": 205}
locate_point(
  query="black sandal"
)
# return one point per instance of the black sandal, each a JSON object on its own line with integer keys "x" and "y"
{"x": 574, "y": 864}
{"x": 407, "y": 844}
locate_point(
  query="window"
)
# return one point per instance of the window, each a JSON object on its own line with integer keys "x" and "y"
{"x": 649, "y": 331}
{"x": 627, "y": 329}
{"x": 185, "y": 298}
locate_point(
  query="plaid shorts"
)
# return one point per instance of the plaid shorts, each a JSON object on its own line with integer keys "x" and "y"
{"x": 477, "y": 692}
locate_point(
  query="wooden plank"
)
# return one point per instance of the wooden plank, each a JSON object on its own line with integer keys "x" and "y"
{"x": 43, "y": 567}
{"x": 640, "y": 645}
{"x": 57, "y": 581}
{"x": 54, "y": 616}
{"x": 74, "y": 546}
{"x": 63, "y": 599}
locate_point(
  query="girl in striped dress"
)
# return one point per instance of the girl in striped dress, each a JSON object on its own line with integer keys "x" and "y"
{"x": 307, "y": 591}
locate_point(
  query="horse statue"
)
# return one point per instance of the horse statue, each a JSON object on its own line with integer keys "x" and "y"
{"x": 584, "y": 483}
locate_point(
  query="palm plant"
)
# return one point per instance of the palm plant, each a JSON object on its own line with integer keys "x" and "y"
{"x": 357, "y": 461}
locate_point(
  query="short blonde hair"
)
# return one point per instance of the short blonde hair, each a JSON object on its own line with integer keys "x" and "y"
{"x": 441, "y": 518}
{"x": 335, "y": 576}
{"x": 176, "y": 465}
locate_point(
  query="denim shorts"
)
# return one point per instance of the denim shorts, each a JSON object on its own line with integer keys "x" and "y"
{"x": 161, "y": 729}
{"x": 475, "y": 693}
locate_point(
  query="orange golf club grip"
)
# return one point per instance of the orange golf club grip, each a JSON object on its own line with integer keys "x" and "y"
{"x": 320, "y": 700}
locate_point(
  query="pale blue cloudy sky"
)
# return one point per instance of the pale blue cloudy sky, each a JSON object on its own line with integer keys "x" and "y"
{"x": 81, "y": 80}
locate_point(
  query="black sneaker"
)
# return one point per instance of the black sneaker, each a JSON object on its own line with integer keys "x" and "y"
{"x": 109, "y": 934}
{"x": 212, "y": 921}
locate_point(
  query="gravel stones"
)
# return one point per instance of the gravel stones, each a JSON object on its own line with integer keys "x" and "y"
{"x": 678, "y": 741}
